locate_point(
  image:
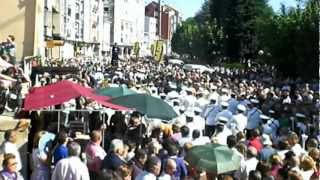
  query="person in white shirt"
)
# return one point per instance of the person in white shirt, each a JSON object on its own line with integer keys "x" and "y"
{"x": 152, "y": 169}
{"x": 9, "y": 146}
{"x": 198, "y": 120}
{"x": 71, "y": 168}
{"x": 209, "y": 114}
{"x": 198, "y": 140}
{"x": 251, "y": 161}
{"x": 189, "y": 101}
{"x": 239, "y": 121}
{"x": 185, "y": 136}
{"x": 293, "y": 140}
{"x": 222, "y": 132}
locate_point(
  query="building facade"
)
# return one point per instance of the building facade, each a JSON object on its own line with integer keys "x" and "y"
{"x": 127, "y": 23}
{"x": 20, "y": 19}
{"x": 168, "y": 21}
{"x": 150, "y": 35}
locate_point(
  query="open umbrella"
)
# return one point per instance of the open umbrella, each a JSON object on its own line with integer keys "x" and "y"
{"x": 60, "y": 92}
{"x": 214, "y": 158}
{"x": 151, "y": 106}
{"x": 115, "y": 91}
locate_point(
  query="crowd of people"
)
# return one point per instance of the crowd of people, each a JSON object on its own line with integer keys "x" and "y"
{"x": 272, "y": 124}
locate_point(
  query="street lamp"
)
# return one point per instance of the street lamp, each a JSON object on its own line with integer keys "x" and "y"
{"x": 260, "y": 52}
{"x": 190, "y": 46}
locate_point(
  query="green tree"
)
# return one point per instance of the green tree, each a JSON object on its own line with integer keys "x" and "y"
{"x": 291, "y": 40}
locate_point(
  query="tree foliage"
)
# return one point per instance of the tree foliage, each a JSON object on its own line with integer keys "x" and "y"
{"x": 238, "y": 29}
{"x": 290, "y": 40}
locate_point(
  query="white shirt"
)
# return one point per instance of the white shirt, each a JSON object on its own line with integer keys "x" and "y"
{"x": 184, "y": 140}
{"x": 201, "y": 103}
{"x": 189, "y": 102}
{"x": 71, "y": 168}
{"x": 165, "y": 177}
{"x": 240, "y": 122}
{"x": 200, "y": 123}
{"x": 9, "y": 147}
{"x": 201, "y": 141}
{"x": 251, "y": 164}
{"x": 222, "y": 136}
{"x": 146, "y": 176}
{"x": 297, "y": 149}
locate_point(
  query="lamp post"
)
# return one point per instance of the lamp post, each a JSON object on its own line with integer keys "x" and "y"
{"x": 190, "y": 48}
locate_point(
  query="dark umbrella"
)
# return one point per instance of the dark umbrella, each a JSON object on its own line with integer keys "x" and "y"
{"x": 214, "y": 158}
{"x": 151, "y": 106}
{"x": 115, "y": 91}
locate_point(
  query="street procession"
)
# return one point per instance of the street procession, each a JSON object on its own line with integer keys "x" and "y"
{"x": 159, "y": 90}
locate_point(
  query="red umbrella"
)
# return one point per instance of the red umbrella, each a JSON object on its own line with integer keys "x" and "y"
{"x": 60, "y": 92}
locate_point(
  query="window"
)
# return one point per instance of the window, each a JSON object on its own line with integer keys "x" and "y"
{"x": 106, "y": 9}
{"x": 121, "y": 40}
{"x": 77, "y": 16}
{"x": 69, "y": 11}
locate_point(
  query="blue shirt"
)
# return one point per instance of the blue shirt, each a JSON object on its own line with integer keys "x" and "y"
{"x": 265, "y": 153}
{"x": 59, "y": 153}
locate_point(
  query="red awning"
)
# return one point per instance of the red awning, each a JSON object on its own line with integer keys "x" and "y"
{"x": 60, "y": 92}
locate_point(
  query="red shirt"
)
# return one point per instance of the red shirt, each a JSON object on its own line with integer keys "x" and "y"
{"x": 256, "y": 143}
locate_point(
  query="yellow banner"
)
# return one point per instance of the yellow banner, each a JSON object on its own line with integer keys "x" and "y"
{"x": 136, "y": 48}
{"x": 158, "y": 51}
{"x": 54, "y": 43}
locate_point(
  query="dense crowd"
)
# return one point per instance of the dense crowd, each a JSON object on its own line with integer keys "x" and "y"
{"x": 272, "y": 124}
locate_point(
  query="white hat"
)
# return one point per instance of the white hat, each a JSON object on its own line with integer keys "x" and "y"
{"x": 182, "y": 108}
{"x": 224, "y": 90}
{"x": 162, "y": 95}
{"x": 224, "y": 104}
{"x": 189, "y": 114}
{"x": 271, "y": 111}
{"x": 222, "y": 119}
{"x": 241, "y": 107}
{"x": 213, "y": 87}
{"x": 213, "y": 97}
{"x": 266, "y": 140}
{"x": 190, "y": 89}
{"x": 254, "y": 101}
{"x": 300, "y": 115}
{"x": 262, "y": 116}
{"x": 197, "y": 109}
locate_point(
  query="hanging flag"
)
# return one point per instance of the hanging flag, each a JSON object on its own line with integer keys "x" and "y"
{"x": 136, "y": 48}
{"x": 158, "y": 51}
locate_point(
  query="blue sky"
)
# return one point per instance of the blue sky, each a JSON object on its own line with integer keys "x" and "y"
{"x": 190, "y": 7}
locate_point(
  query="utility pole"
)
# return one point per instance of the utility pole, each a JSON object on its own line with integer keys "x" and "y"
{"x": 159, "y": 19}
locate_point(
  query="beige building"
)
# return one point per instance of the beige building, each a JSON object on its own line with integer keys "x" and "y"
{"x": 18, "y": 19}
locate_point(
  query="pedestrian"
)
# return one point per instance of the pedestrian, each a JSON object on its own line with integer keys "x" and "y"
{"x": 95, "y": 154}
{"x": 10, "y": 168}
{"x": 71, "y": 168}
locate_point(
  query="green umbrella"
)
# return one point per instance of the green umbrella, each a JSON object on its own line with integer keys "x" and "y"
{"x": 214, "y": 158}
{"x": 115, "y": 91}
{"x": 151, "y": 106}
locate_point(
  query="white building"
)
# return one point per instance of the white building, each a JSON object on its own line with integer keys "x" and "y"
{"x": 150, "y": 35}
{"x": 127, "y": 23}
{"x": 82, "y": 27}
